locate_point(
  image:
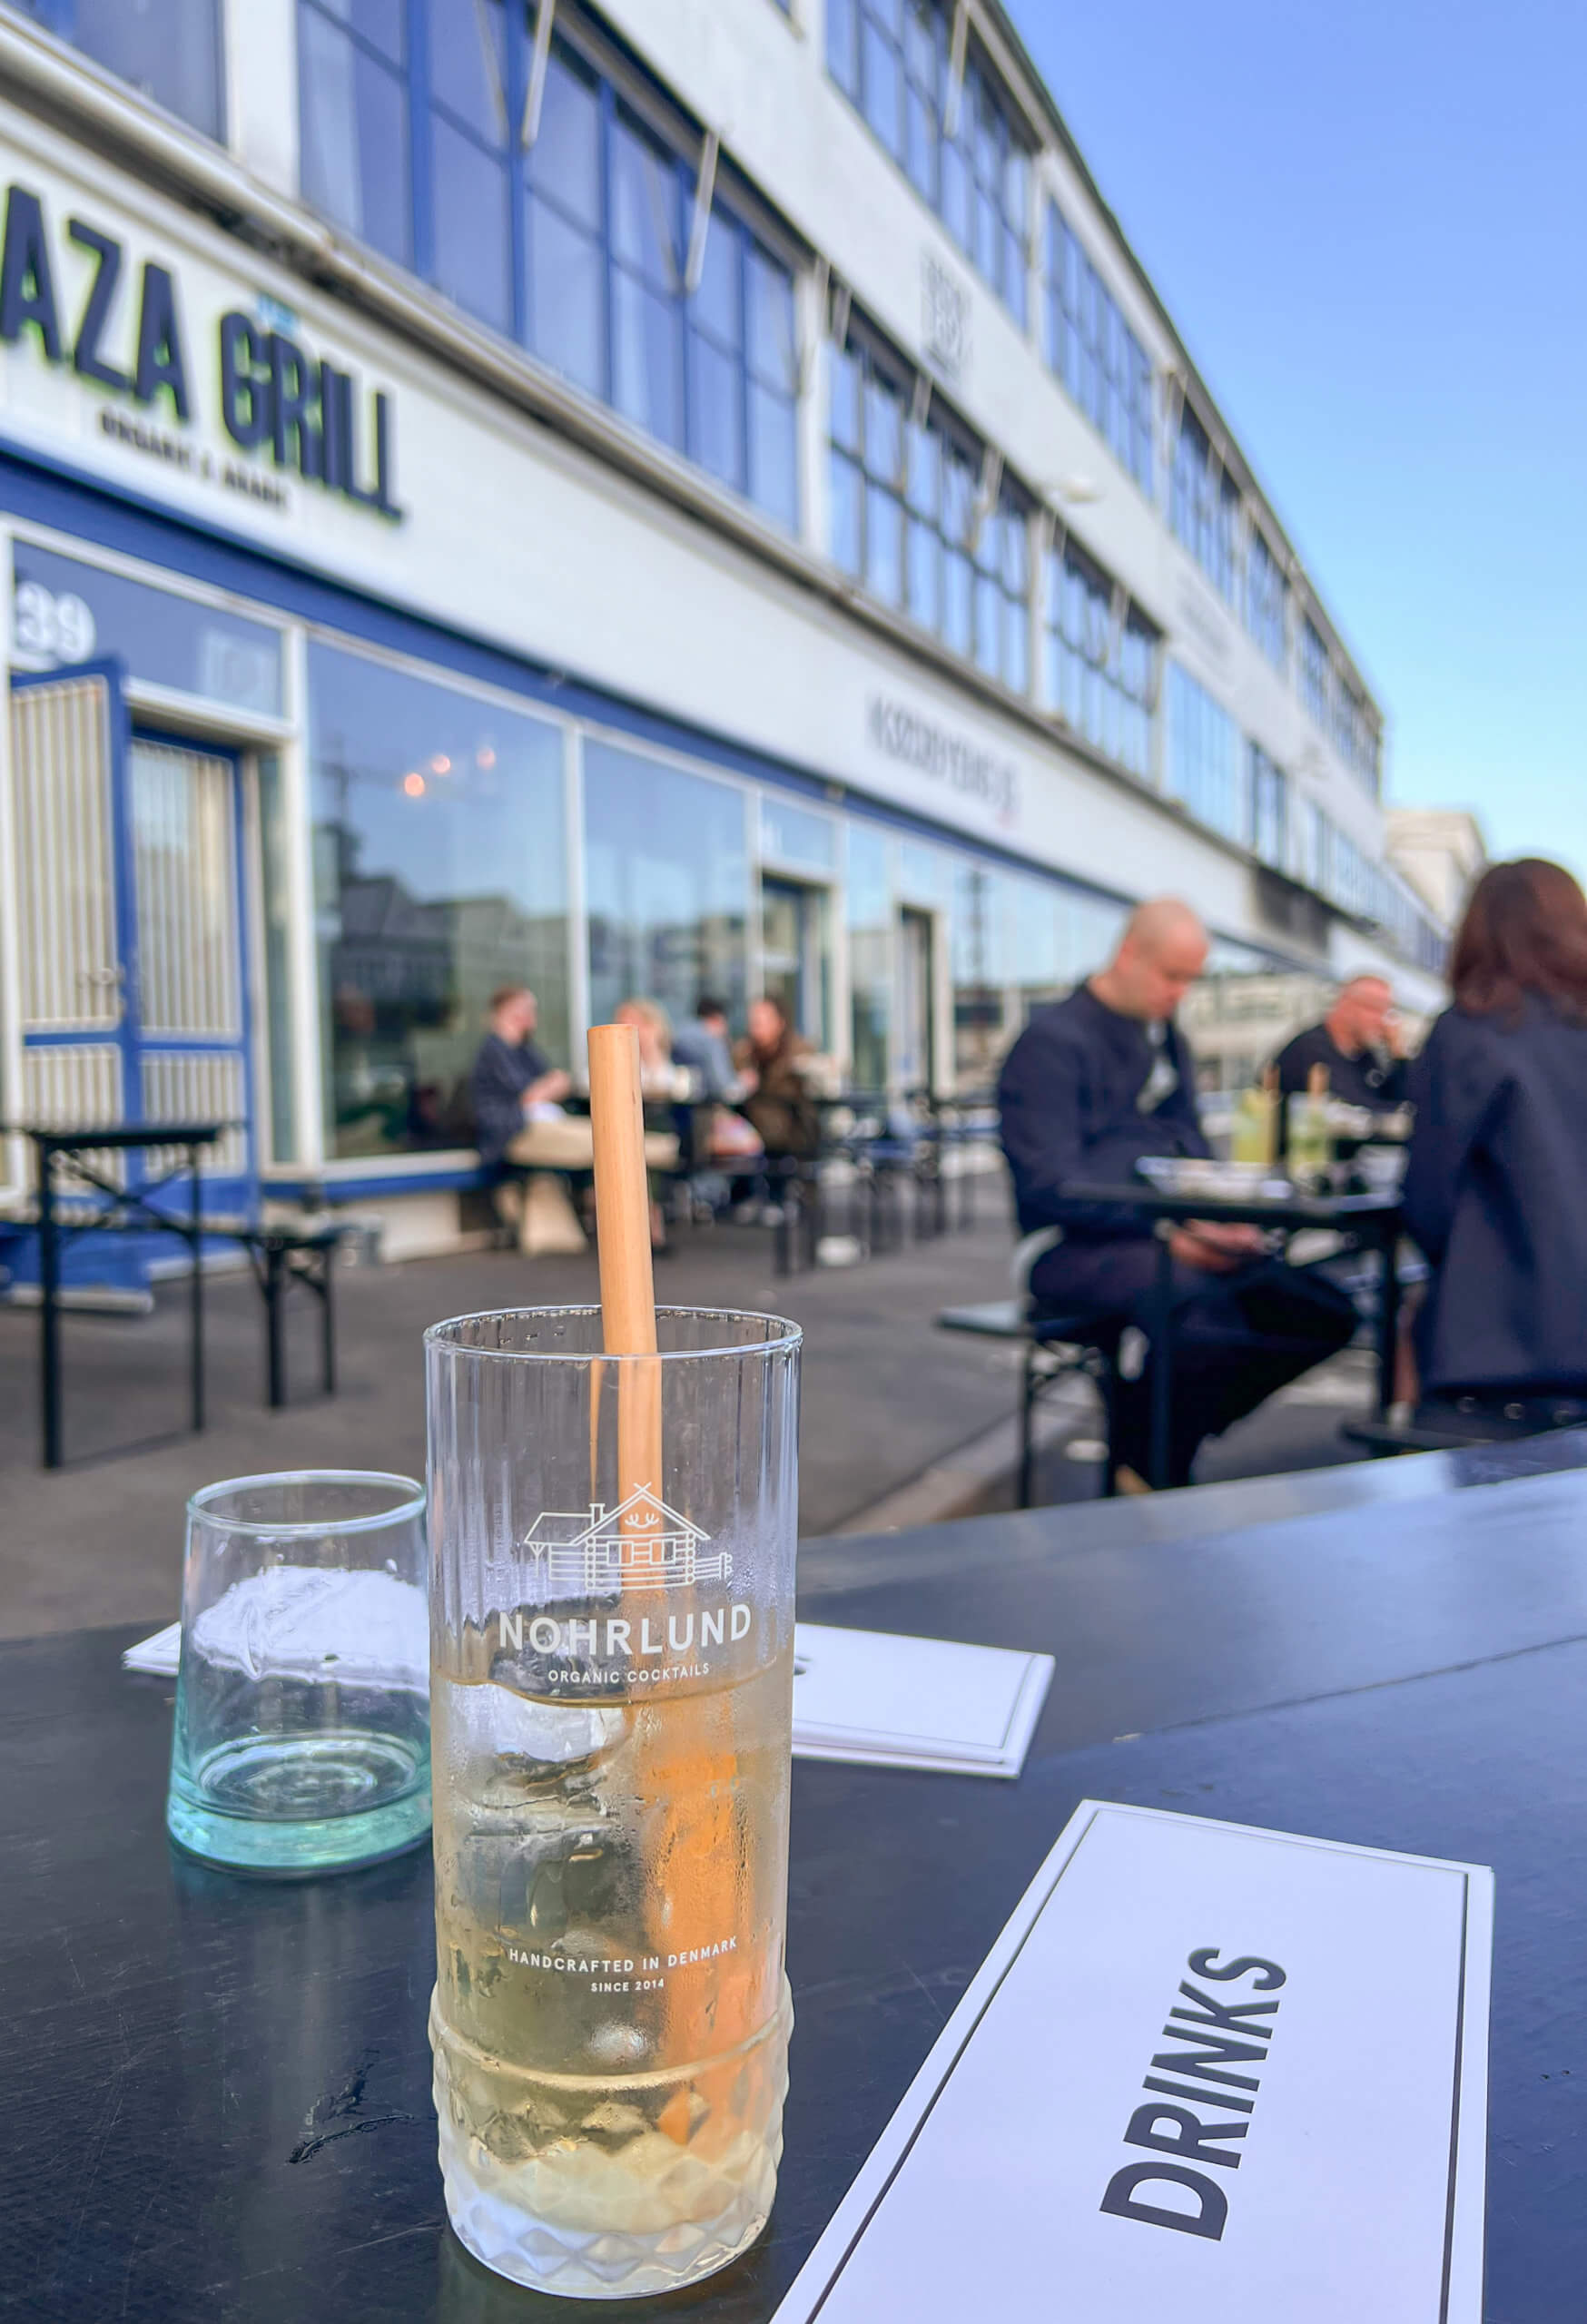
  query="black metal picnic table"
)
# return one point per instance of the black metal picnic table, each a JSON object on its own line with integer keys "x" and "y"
{"x": 277, "y": 1254}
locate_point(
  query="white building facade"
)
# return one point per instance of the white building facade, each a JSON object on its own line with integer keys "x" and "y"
{"x": 692, "y": 497}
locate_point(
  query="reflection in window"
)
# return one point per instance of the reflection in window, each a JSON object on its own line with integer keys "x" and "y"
{"x": 1207, "y": 769}
{"x": 1101, "y": 660}
{"x": 471, "y": 258}
{"x": 667, "y": 885}
{"x": 1092, "y": 350}
{"x": 892, "y": 57}
{"x": 869, "y": 897}
{"x": 981, "y": 952}
{"x": 909, "y": 520}
{"x": 440, "y": 873}
{"x": 567, "y": 260}
{"x": 353, "y": 119}
{"x": 169, "y": 49}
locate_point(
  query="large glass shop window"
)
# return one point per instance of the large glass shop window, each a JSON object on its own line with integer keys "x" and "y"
{"x": 667, "y": 885}
{"x": 439, "y": 874}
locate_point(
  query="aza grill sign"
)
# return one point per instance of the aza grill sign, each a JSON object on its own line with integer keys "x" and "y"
{"x": 74, "y": 296}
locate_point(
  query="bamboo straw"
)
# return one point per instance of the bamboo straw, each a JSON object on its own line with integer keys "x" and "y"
{"x": 684, "y": 1764}
{"x": 616, "y": 1115}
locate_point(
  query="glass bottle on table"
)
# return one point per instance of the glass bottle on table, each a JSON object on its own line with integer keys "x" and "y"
{"x": 1253, "y": 1139}
{"x": 1310, "y": 1141}
{"x": 612, "y": 1633}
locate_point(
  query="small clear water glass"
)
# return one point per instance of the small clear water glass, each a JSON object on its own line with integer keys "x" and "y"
{"x": 301, "y": 1739}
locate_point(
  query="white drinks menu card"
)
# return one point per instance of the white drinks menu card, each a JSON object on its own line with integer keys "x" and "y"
{"x": 1206, "y": 2073}
{"x": 914, "y": 1702}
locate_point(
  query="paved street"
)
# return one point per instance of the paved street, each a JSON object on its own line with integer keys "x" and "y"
{"x": 886, "y": 1397}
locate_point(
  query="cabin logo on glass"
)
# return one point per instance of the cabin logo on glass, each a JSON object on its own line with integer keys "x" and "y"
{"x": 641, "y": 1544}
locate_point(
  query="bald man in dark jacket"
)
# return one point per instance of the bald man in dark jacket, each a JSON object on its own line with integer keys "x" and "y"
{"x": 1093, "y": 1085}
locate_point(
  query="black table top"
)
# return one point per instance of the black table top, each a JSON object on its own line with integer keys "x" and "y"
{"x": 1294, "y": 1210}
{"x": 120, "y": 1134}
{"x": 215, "y": 2093}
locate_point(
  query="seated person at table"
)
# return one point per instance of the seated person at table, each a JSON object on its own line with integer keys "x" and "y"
{"x": 777, "y": 1063}
{"x": 1494, "y": 1189}
{"x": 520, "y": 1124}
{"x": 1092, "y": 1085}
{"x": 705, "y": 1047}
{"x": 1358, "y": 1042}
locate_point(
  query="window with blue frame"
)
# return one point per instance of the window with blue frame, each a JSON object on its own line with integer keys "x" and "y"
{"x": 570, "y": 225}
{"x": 1101, "y": 655}
{"x": 1314, "y": 672}
{"x": 915, "y": 516}
{"x": 1266, "y": 592}
{"x": 1092, "y": 350}
{"x": 893, "y": 59}
{"x": 168, "y": 49}
{"x": 1206, "y": 770}
{"x": 1269, "y": 809}
{"x": 1204, "y": 503}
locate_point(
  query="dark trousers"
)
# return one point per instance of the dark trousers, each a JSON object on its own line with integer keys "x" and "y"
{"x": 1235, "y": 1337}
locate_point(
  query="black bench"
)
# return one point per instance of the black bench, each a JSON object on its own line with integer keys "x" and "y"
{"x": 1057, "y": 1347}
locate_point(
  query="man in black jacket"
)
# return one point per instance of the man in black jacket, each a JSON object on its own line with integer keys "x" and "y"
{"x": 1092, "y": 1085}
{"x": 1358, "y": 1043}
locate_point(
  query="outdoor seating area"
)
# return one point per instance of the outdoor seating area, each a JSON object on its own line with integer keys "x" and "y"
{"x": 793, "y": 1249}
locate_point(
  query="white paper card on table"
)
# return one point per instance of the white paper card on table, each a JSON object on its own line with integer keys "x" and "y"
{"x": 1325, "y": 2006}
{"x": 914, "y": 1702}
{"x": 156, "y": 1656}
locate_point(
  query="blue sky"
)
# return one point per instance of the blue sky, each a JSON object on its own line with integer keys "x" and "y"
{"x": 1367, "y": 221}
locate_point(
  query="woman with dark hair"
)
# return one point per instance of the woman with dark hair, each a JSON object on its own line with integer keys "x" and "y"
{"x": 777, "y": 1061}
{"x": 1496, "y": 1190}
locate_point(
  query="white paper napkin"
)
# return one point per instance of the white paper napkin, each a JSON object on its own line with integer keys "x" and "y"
{"x": 914, "y": 1702}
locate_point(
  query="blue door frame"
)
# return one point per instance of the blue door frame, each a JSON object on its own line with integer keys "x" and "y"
{"x": 125, "y": 1260}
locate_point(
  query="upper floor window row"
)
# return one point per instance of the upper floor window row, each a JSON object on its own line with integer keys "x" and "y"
{"x": 895, "y": 59}
{"x": 1092, "y": 350}
{"x": 584, "y": 234}
{"x": 924, "y": 518}
{"x": 169, "y": 49}
{"x": 1203, "y": 504}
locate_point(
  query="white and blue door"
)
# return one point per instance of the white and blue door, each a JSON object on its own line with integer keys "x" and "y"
{"x": 134, "y": 1000}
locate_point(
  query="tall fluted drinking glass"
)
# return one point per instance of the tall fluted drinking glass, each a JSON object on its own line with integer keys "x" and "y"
{"x": 611, "y": 1643}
